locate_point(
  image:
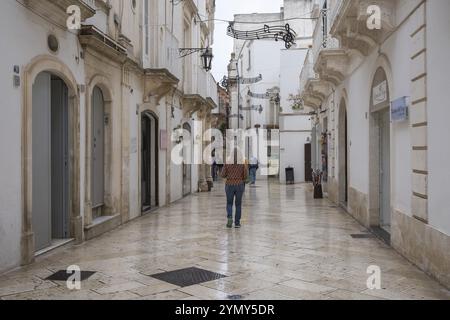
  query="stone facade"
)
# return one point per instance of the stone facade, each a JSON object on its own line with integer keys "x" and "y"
{"x": 341, "y": 72}
{"x": 138, "y": 69}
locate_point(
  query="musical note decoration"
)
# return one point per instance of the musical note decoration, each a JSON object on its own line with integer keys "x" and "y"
{"x": 259, "y": 95}
{"x": 226, "y": 81}
{"x": 251, "y": 80}
{"x": 258, "y": 108}
{"x": 284, "y": 33}
{"x": 240, "y": 116}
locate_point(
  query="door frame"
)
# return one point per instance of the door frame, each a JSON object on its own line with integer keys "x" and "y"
{"x": 51, "y": 64}
{"x": 101, "y": 82}
{"x": 343, "y": 154}
{"x": 184, "y": 127}
{"x": 149, "y": 113}
{"x": 374, "y": 148}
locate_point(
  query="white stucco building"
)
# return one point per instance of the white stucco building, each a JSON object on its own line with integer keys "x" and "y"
{"x": 90, "y": 116}
{"x": 384, "y": 166}
{"x": 279, "y": 70}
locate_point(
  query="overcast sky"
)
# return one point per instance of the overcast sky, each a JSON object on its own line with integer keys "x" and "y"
{"x": 226, "y": 9}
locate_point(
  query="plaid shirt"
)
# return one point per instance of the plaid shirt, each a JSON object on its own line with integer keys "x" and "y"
{"x": 235, "y": 174}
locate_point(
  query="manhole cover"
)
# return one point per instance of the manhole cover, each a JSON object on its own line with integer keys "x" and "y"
{"x": 188, "y": 277}
{"x": 363, "y": 236}
{"x": 63, "y": 275}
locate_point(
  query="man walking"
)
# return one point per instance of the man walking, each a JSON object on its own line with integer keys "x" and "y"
{"x": 236, "y": 176}
{"x": 254, "y": 166}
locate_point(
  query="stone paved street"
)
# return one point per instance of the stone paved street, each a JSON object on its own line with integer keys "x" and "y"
{"x": 290, "y": 247}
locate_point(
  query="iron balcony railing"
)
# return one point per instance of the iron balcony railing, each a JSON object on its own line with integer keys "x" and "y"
{"x": 322, "y": 38}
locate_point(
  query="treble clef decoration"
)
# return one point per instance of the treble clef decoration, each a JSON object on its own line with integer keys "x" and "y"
{"x": 276, "y": 33}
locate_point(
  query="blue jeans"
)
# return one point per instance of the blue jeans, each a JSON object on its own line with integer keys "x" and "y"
{"x": 253, "y": 175}
{"x": 235, "y": 194}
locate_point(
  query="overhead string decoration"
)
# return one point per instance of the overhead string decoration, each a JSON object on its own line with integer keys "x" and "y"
{"x": 259, "y": 95}
{"x": 283, "y": 33}
{"x": 251, "y": 80}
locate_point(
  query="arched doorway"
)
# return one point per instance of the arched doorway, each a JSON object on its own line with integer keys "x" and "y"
{"x": 343, "y": 154}
{"x": 380, "y": 166}
{"x": 50, "y": 160}
{"x": 187, "y": 160}
{"x": 149, "y": 153}
{"x": 97, "y": 152}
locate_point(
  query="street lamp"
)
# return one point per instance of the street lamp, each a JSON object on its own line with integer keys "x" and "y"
{"x": 207, "y": 56}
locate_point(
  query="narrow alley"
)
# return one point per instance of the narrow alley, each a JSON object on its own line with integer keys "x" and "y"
{"x": 290, "y": 247}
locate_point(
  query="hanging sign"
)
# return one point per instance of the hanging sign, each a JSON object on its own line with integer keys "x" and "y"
{"x": 258, "y": 95}
{"x": 283, "y": 33}
{"x": 379, "y": 93}
{"x": 258, "y": 108}
{"x": 250, "y": 80}
{"x": 399, "y": 109}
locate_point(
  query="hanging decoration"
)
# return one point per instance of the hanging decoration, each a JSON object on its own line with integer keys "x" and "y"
{"x": 240, "y": 116}
{"x": 283, "y": 33}
{"x": 258, "y": 108}
{"x": 251, "y": 80}
{"x": 226, "y": 81}
{"x": 259, "y": 95}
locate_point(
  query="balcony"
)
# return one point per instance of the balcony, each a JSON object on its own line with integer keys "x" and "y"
{"x": 196, "y": 93}
{"x": 212, "y": 96}
{"x": 92, "y": 38}
{"x": 330, "y": 60}
{"x": 55, "y": 10}
{"x": 164, "y": 71}
{"x": 312, "y": 90}
{"x": 349, "y": 24}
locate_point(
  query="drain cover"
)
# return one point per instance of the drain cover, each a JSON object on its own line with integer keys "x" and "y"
{"x": 363, "y": 236}
{"x": 63, "y": 275}
{"x": 188, "y": 277}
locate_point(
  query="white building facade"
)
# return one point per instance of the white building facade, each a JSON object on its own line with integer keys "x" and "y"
{"x": 91, "y": 115}
{"x": 377, "y": 92}
{"x": 279, "y": 70}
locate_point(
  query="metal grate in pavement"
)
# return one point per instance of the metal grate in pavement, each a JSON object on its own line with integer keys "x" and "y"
{"x": 188, "y": 277}
{"x": 63, "y": 275}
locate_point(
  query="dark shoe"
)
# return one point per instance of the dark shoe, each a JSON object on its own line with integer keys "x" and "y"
{"x": 230, "y": 223}
{"x": 237, "y": 225}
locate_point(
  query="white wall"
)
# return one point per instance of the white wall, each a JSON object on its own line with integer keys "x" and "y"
{"x": 17, "y": 23}
{"x": 358, "y": 87}
{"x": 294, "y": 132}
{"x": 292, "y": 144}
{"x": 291, "y": 66}
{"x": 438, "y": 48}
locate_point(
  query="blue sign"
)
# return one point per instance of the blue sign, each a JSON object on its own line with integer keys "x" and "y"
{"x": 399, "y": 109}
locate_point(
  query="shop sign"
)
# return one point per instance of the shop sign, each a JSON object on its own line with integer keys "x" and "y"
{"x": 379, "y": 93}
{"x": 399, "y": 109}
